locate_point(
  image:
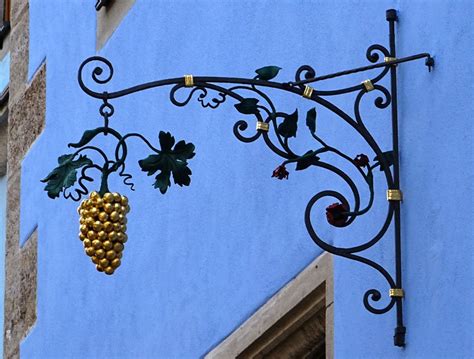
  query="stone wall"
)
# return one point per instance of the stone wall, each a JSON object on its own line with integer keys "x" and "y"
{"x": 25, "y": 123}
{"x": 26, "y": 119}
{"x": 3, "y": 141}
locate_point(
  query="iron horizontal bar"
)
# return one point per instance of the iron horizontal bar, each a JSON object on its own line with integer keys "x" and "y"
{"x": 287, "y": 86}
{"x": 197, "y": 81}
{"x": 362, "y": 69}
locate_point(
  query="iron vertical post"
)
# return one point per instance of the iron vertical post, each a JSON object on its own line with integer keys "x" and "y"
{"x": 400, "y": 330}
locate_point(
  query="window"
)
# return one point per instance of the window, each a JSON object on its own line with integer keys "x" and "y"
{"x": 109, "y": 16}
{"x": 4, "y": 80}
{"x": 100, "y": 4}
{"x": 5, "y": 20}
{"x": 297, "y": 322}
{"x": 4, "y": 77}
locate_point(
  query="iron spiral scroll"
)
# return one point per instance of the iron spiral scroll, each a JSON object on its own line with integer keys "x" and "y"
{"x": 277, "y": 129}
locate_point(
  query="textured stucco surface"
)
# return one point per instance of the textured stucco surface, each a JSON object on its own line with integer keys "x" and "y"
{"x": 201, "y": 259}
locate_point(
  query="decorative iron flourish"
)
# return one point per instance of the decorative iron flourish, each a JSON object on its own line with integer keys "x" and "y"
{"x": 277, "y": 130}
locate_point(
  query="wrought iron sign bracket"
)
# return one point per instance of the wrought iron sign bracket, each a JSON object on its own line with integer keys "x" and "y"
{"x": 103, "y": 222}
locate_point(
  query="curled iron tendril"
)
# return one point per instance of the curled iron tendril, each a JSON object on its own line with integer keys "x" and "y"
{"x": 77, "y": 193}
{"x": 101, "y": 74}
{"x": 127, "y": 178}
{"x": 213, "y": 103}
{"x": 305, "y": 70}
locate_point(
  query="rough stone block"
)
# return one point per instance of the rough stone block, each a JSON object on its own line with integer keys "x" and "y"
{"x": 26, "y": 120}
{"x": 3, "y": 147}
{"x": 17, "y": 9}
{"x": 27, "y": 106}
{"x": 19, "y": 45}
{"x": 20, "y": 280}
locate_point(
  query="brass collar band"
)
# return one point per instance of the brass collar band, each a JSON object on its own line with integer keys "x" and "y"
{"x": 394, "y": 195}
{"x": 369, "y": 86}
{"x": 389, "y": 59}
{"x": 188, "y": 80}
{"x": 396, "y": 292}
{"x": 308, "y": 91}
{"x": 262, "y": 126}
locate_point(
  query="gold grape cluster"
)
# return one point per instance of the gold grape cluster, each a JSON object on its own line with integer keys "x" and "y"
{"x": 103, "y": 223}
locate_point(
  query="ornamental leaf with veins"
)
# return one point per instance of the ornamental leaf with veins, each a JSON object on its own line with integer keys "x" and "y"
{"x": 65, "y": 175}
{"x": 169, "y": 161}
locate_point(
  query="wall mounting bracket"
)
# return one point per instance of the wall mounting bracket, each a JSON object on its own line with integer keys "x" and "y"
{"x": 277, "y": 129}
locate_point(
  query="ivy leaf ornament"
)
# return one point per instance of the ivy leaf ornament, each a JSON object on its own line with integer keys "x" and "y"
{"x": 247, "y": 106}
{"x": 289, "y": 125}
{"x": 389, "y": 159}
{"x": 311, "y": 120}
{"x": 268, "y": 72}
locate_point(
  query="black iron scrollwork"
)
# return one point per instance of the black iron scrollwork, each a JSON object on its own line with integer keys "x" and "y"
{"x": 277, "y": 129}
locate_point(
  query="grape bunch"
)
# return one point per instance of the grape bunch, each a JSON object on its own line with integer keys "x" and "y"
{"x": 103, "y": 223}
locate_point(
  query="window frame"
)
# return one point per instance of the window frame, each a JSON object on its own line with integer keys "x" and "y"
{"x": 285, "y": 313}
{"x": 5, "y": 24}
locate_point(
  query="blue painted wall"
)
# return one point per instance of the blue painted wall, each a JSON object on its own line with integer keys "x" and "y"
{"x": 201, "y": 259}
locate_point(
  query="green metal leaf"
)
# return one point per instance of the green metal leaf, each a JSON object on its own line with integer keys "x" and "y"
{"x": 151, "y": 164}
{"x": 169, "y": 161}
{"x": 86, "y": 138}
{"x": 166, "y": 141}
{"x": 163, "y": 181}
{"x": 181, "y": 175}
{"x": 267, "y": 72}
{"x": 65, "y": 175}
{"x": 289, "y": 125}
{"x": 389, "y": 159}
{"x": 308, "y": 159}
{"x": 184, "y": 151}
{"x": 311, "y": 120}
{"x": 247, "y": 106}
